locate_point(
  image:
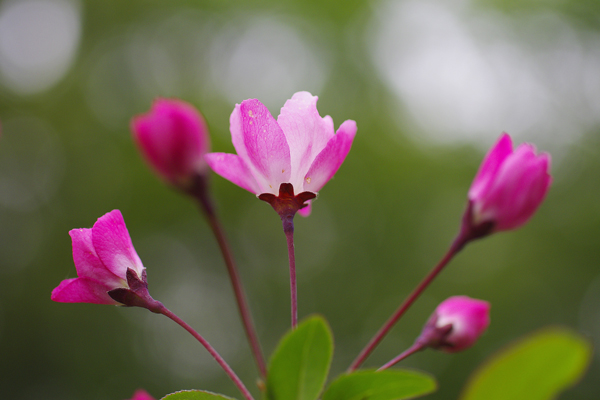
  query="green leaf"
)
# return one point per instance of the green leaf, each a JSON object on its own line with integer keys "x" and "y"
{"x": 538, "y": 367}
{"x": 299, "y": 367}
{"x": 195, "y": 395}
{"x": 390, "y": 384}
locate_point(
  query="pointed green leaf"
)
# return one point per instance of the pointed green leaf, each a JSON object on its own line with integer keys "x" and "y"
{"x": 390, "y": 384}
{"x": 538, "y": 367}
{"x": 299, "y": 367}
{"x": 195, "y": 395}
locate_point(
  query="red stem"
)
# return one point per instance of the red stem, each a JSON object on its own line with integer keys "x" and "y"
{"x": 289, "y": 235}
{"x": 200, "y": 193}
{"x": 456, "y": 246}
{"x": 411, "y": 350}
{"x": 167, "y": 313}
{"x": 286, "y": 205}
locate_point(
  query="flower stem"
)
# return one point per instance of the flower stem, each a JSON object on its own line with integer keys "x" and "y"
{"x": 456, "y": 246}
{"x": 288, "y": 229}
{"x": 200, "y": 193}
{"x": 411, "y": 350}
{"x": 287, "y": 205}
{"x": 236, "y": 380}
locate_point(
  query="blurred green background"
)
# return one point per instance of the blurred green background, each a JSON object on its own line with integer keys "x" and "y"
{"x": 431, "y": 85}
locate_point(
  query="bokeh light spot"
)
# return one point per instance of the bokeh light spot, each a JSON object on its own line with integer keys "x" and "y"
{"x": 38, "y": 42}
{"x": 466, "y": 73}
{"x": 266, "y": 59}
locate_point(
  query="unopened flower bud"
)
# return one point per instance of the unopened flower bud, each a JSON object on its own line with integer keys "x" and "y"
{"x": 173, "y": 138}
{"x": 508, "y": 189}
{"x": 456, "y": 324}
{"x": 141, "y": 394}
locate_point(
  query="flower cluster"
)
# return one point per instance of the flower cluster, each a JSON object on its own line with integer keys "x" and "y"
{"x": 286, "y": 162}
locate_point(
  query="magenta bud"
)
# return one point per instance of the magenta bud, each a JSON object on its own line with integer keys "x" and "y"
{"x": 508, "y": 188}
{"x": 141, "y": 394}
{"x": 456, "y": 324}
{"x": 173, "y": 138}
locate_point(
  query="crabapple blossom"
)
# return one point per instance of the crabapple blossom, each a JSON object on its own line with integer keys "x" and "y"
{"x": 108, "y": 268}
{"x": 300, "y": 148}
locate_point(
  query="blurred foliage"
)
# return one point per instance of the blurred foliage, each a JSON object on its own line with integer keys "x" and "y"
{"x": 540, "y": 366}
{"x": 380, "y": 385}
{"x": 66, "y": 158}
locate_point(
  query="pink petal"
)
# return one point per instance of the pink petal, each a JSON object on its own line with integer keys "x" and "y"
{"x": 82, "y": 290}
{"x": 233, "y": 168}
{"x": 268, "y": 150}
{"x": 86, "y": 260}
{"x": 538, "y": 188}
{"x": 490, "y": 166}
{"x": 521, "y": 188}
{"x": 305, "y": 212}
{"x": 173, "y": 138}
{"x": 306, "y": 132}
{"x": 508, "y": 181}
{"x": 237, "y": 135}
{"x": 113, "y": 245}
{"x": 330, "y": 158}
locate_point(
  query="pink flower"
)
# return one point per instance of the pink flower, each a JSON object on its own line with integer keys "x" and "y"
{"x": 141, "y": 394}
{"x": 105, "y": 260}
{"x": 456, "y": 324}
{"x": 299, "y": 148}
{"x": 509, "y": 186}
{"x": 173, "y": 138}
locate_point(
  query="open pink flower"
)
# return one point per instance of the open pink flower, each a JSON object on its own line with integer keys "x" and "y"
{"x": 105, "y": 260}
{"x": 300, "y": 147}
{"x": 173, "y": 138}
{"x": 509, "y": 186}
{"x": 456, "y": 324}
{"x": 141, "y": 394}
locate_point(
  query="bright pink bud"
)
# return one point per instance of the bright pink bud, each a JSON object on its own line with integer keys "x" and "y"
{"x": 509, "y": 187}
{"x": 105, "y": 260}
{"x": 141, "y": 394}
{"x": 173, "y": 138}
{"x": 456, "y": 324}
{"x": 300, "y": 147}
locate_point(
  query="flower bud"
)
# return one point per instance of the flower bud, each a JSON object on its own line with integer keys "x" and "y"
{"x": 173, "y": 138}
{"x": 508, "y": 189}
{"x": 141, "y": 394}
{"x": 456, "y": 324}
